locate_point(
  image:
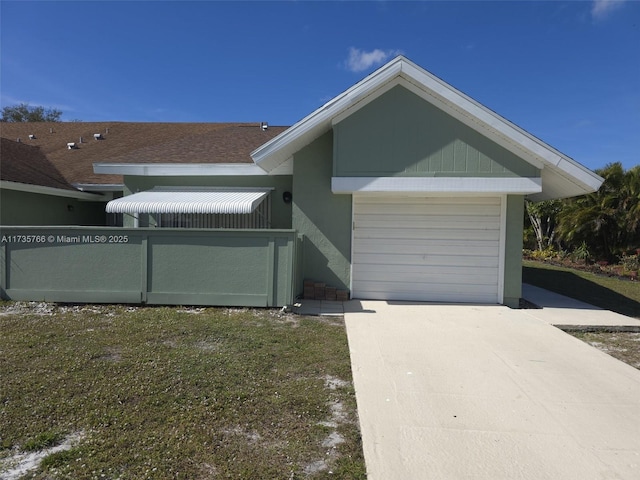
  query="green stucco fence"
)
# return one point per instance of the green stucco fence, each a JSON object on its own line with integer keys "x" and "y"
{"x": 253, "y": 268}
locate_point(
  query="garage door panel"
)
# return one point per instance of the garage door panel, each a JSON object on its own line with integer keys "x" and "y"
{"x": 377, "y": 270}
{"x": 426, "y": 249}
{"x": 438, "y": 221}
{"x": 440, "y": 292}
{"x": 436, "y": 200}
{"x": 425, "y": 233}
{"x": 391, "y": 260}
{"x": 393, "y": 209}
{"x": 432, "y": 278}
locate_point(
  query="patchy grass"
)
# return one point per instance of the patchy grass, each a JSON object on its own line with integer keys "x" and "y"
{"x": 177, "y": 393}
{"x": 621, "y": 296}
{"x": 624, "y": 346}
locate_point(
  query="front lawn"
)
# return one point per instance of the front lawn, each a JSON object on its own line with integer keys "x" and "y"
{"x": 176, "y": 393}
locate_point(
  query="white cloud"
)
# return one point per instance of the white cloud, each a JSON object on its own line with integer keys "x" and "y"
{"x": 601, "y": 8}
{"x": 359, "y": 60}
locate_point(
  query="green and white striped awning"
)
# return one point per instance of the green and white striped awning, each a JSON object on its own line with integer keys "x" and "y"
{"x": 190, "y": 200}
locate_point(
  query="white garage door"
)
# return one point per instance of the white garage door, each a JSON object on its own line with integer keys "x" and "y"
{"x": 430, "y": 249}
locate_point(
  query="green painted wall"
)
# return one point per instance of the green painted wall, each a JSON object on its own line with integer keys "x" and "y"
{"x": 155, "y": 266}
{"x": 25, "y": 208}
{"x": 399, "y": 134}
{"x": 280, "y": 211}
{"x": 513, "y": 251}
{"x": 320, "y": 217}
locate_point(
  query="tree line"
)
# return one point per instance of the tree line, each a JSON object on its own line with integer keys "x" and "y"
{"x": 604, "y": 225}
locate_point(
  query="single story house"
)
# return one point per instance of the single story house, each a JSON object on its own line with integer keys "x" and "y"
{"x": 401, "y": 187}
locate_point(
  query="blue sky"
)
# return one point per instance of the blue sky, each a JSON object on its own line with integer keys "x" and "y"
{"x": 567, "y": 72}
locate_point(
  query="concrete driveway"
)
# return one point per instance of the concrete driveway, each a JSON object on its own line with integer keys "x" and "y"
{"x": 487, "y": 392}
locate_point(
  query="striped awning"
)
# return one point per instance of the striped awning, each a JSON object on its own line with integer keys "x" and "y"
{"x": 190, "y": 200}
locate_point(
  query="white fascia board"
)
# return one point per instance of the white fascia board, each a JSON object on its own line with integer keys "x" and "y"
{"x": 56, "y": 192}
{"x": 429, "y": 185}
{"x": 182, "y": 169}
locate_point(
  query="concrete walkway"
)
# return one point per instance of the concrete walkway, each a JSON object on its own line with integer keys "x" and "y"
{"x": 487, "y": 392}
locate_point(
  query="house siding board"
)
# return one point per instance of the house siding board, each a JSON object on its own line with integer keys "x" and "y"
{"x": 400, "y": 134}
{"x": 427, "y": 248}
{"x": 280, "y": 211}
{"x": 321, "y": 218}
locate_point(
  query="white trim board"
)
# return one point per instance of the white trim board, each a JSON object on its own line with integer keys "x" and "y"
{"x": 427, "y": 185}
{"x": 190, "y": 169}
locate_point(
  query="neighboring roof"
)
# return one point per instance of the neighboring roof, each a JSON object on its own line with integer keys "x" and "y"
{"x": 22, "y": 163}
{"x": 128, "y": 143}
{"x": 561, "y": 175}
{"x": 190, "y": 200}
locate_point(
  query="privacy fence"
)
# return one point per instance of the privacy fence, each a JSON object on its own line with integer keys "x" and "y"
{"x": 150, "y": 266}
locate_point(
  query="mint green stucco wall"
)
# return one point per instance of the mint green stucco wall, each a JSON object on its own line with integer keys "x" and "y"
{"x": 320, "y": 217}
{"x": 513, "y": 250}
{"x": 26, "y": 208}
{"x": 400, "y": 134}
{"x": 280, "y": 211}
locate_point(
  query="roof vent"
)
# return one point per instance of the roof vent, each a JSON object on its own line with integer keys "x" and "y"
{"x": 264, "y": 125}
{"x": 98, "y": 136}
{"x": 71, "y": 145}
{"x": 32, "y": 137}
{"x": 80, "y": 140}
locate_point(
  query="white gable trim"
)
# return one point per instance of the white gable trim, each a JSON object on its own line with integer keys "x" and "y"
{"x": 430, "y": 185}
{"x": 573, "y": 176}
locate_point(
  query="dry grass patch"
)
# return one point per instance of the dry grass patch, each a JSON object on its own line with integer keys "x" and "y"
{"x": 177, "y": 393}
{"x": 624, "y": 346}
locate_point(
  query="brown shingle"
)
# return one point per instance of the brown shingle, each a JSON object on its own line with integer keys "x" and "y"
{"x": 136, "y": 143}
{"x": 27, "y": 164}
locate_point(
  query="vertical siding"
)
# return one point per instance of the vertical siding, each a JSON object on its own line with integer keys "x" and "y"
{"x": 399, "y": 134}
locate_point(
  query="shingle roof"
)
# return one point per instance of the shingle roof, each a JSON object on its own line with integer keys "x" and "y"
{"x": 130, "y": 143}
{"x": 22, "y": 163}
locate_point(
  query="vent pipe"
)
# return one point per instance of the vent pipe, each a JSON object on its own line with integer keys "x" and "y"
{"x": 264, "y": 125}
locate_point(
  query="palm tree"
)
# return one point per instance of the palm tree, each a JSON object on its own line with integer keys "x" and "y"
{"x": 605, "y": 221}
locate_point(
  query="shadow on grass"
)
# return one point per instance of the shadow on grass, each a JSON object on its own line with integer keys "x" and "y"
{"x": 574, "y": 286}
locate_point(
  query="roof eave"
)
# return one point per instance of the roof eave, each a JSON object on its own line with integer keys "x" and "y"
{"x": 56, "y": 192}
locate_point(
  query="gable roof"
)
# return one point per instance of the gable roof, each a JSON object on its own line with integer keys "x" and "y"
{"x": 132, "y": 143}
{"x": 561, "y": 175}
